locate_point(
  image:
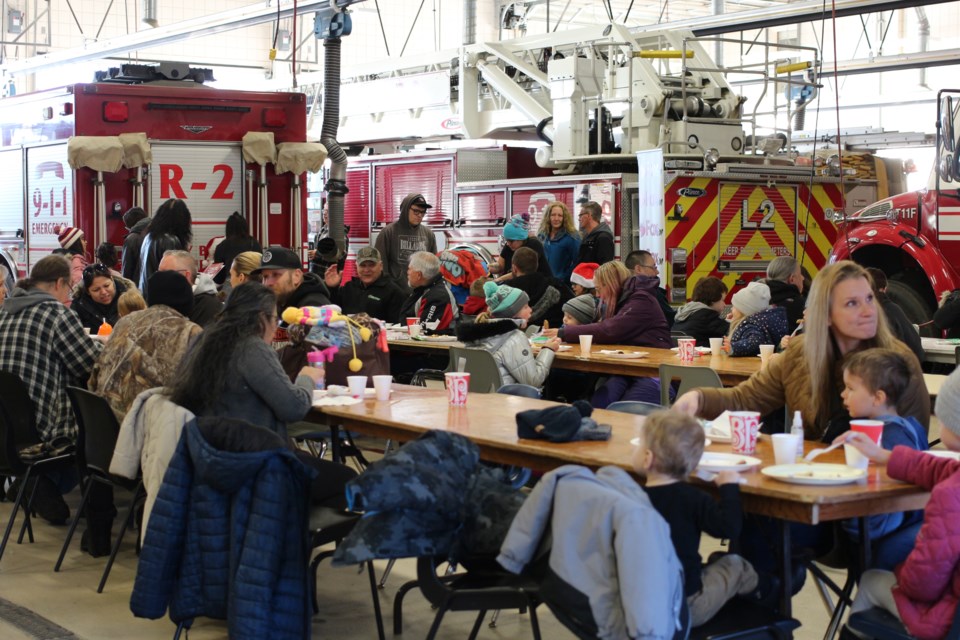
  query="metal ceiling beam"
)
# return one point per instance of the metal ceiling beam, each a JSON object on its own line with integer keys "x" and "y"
{"x": 206, "y": 25}
{"x": 792, "y": 13}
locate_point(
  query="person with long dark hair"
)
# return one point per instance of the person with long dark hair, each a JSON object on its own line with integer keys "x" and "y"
{"x": 237, "y": 240}
{"x": 233, "y": 373}
{"x": 169, "y": 229}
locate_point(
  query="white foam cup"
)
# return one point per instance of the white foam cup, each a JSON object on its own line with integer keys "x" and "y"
{"x": 357, "y": 385}
{"x": 785, "y": 447}
{"x": 586, "y": 342}
{"x": 381, "y": 385}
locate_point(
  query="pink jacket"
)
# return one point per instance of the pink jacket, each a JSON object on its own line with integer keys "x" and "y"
{"x": 928, "y": 581}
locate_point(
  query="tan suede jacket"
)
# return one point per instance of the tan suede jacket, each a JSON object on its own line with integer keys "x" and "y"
{"x": 785, "y": 381}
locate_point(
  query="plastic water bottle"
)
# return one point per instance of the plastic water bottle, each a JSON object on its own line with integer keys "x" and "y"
{"x": 315, "y": 359}
{"x": 797, "y": 428}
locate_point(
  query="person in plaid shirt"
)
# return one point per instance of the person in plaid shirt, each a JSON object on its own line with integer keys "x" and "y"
{"x": 43, "y": 342}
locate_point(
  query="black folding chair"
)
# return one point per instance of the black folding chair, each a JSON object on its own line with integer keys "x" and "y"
{"x": 18, "y": 429}
{"x": 96, "y": 439}
{"x": 328, "y": 525}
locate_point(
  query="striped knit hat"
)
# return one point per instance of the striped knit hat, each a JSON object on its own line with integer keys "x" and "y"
{"x": 504, "y": 301}
{"x": 66, "y": 236}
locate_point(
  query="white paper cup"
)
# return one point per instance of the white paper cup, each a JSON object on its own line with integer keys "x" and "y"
{"x": 716, "y": 346}
{"x": 414, "y": 330}
{"x": 854, "y": 458}
{"x": 785, "y": 447}
{"x": 86, "y": 330}
{"x": 586, "y": 342}
{"x": 458, "y": 384}
{"x": 766, "y": 350}
{"x": 357, "y": 385}
{"x": 382, "y": 386}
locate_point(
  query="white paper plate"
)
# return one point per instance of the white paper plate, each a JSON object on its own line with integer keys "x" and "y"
{"x": 336, "y": 390}
{"x": 621, "y": 355}
{"x": 818, "y": 474}
{"x": 717, "y": 436}
{"x": 711, "y": 461}
{"x": 636, "y": 442}
{"x": 940, "y": 453}
{"x": 437, "y": 338}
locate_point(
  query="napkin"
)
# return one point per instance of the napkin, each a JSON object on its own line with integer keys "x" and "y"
{"x": 720, "y": 427}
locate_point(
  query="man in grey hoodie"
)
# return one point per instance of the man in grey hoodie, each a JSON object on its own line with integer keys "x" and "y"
{"x": 401, "y": 239}
{"x": 597, "y": 245}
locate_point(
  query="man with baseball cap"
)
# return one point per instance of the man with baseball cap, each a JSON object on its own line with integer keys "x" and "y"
{"x": 401, "y": 239}
{"x": 371, "y": 292}
{"x": 282, "y": 272}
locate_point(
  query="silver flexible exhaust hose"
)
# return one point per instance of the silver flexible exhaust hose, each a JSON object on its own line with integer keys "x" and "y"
{"x": 336, "y": 186}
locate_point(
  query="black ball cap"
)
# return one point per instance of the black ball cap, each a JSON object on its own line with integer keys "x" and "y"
{"x": 279, "y": 258}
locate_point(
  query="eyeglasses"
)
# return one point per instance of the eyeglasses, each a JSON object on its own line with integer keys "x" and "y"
{"x": 650, "y": 266}
{"x": 417, "y": 211}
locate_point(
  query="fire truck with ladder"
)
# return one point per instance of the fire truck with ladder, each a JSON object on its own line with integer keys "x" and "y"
{"x": 645, "y": 123}
{"x": 174, "y": 138}
{"x": 914, "y": 237}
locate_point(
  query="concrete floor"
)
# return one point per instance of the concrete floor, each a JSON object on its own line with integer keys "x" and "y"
{"x": 68, "y": 599}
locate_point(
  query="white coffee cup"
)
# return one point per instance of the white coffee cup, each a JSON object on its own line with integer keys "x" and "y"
{"x": 785, "y": 447}
{"x": 716, "y": 346}
{"x": 414, "y": 330}
{"x": 86, "y": 330}
{"x": 854, "y": 458}
{"x": 766, "y": 350}
{"x": 585, "y": 343}
{"x": 358, "y": 385}
{"x": 382, "y": 386}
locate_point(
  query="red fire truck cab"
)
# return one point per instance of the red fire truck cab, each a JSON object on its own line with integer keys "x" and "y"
{"x": 195, "y": 135}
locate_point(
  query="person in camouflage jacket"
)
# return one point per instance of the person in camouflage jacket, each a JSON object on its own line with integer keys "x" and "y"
{"x": 146, "y": 346}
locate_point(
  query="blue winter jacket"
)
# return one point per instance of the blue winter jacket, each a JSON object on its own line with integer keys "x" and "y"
{"x": 227, "y": 536}
{"x": 561, "y": 253}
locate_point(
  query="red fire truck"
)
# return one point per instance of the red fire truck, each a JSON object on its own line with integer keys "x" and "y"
{"x": 195, "y": 135}
{"x": 914, "y": 237}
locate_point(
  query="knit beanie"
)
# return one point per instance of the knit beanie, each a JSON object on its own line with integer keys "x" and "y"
{"x": 517, "y": 229}
{"x": 172, "y": 289}
{"x": 504, "y": 301}
{"x": 583, "y": 274}
{"x": 582, "y": 308}
{"x": 755, "y": 297}
{"x": 948, "y": 403}
{"x": 66, "y": 236}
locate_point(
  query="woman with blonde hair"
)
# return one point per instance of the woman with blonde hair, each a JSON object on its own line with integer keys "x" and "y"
{"x": 842, "y": 318}
{"x": 560, "y": 238}
{"x": 630, "y": 315}
{"x": 242, "y": 267}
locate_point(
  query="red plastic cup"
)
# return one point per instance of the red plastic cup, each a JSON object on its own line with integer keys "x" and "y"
{"x": 872, "y": 428}
{"x": 744, "y": 427}
{"x": 457, "y": 386}
{"x": 413, "y": 320}
{"x": 687, "y": 348}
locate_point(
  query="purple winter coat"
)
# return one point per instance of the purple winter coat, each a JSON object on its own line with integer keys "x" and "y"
{"x": 638, "y": 320}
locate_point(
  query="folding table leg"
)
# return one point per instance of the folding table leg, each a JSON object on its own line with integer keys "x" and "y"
{"x": 786, "y": 569}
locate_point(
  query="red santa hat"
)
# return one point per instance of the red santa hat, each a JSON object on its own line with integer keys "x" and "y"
{"x": 583, "y": 274}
